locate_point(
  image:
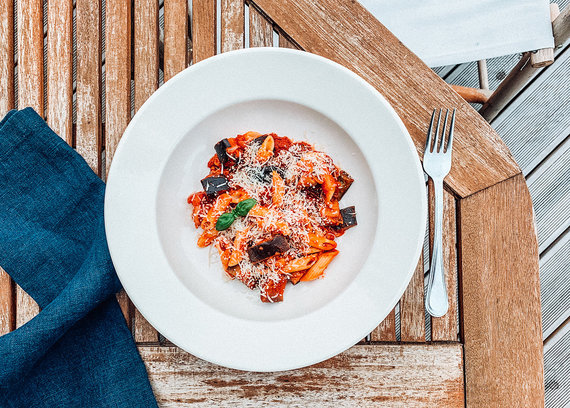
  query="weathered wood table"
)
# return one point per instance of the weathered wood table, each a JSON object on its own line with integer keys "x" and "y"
{"x": 486, "y": 352}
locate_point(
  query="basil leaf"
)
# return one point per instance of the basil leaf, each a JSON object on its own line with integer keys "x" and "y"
{"x": 243, "y": 207}
{"x": 224, "y": 221}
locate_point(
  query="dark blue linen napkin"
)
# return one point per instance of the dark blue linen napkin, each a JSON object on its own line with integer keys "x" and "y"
{"x": 78, "y": 351}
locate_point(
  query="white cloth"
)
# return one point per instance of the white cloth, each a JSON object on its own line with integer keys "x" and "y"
{"x": 445, "y": 32}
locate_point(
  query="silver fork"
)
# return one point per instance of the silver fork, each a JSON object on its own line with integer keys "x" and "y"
{"x": 437, "y": 163}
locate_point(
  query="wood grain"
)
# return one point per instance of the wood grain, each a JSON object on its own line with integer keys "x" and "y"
{"x": 30, "y": 93}
{"x": 146, "y": 82}
{"x": 26, "y": 307}
{"x": 386, "y": 331}
{"x": 7, "y": 300}
{"x": 59, "y": 110}
{"x": 7, "y": 303}
{"x": 366, "y": 376}
{"x": 445, "y": 328}
{"x": 260, "y": 30}
{"x": 232, "y": 34}
{"x": 175, "y": 37}
{"x": 118, "y": 92}
{"x": 412, "y": 314}
{"x": 501, "y": 298}
{"x": 284, "y": 42}
{"x": 348, "y": 34}
{"x": 31, "y": 55}
{"x": 6, "y": 56}
{"x": 88, "y": 139}
{"x": 203, "y": 29}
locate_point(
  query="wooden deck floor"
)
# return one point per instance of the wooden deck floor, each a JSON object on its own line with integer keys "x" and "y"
{"x": 536, "y": 127}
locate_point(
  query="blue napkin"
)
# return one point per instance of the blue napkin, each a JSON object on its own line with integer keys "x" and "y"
{"x": 78, "y": 351}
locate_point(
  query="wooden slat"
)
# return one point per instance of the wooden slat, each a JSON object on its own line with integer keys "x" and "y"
{"x": 26, "y": 307}
{"x": 260, "y": 30}
{"x": 348, "y": 34}
{"x": 501, "y": 298}
{"x": 88, "y": 82}
{"x": 386, "y": 331}
{"x": 232, "y": 25}
{"x": 203, "y": 29}
{"x": 60, "y": 68}
{"x": 31, "y": 55}
{"x": 7, "y": 304}
{"x": 6, "y": 56}
{"x": 175, "y": 37}
{"x": 146, "y": 82}
{"x": 363, "y": 376}
{"x": 557, "y": 369}
{"x": 30, "y": 93}
{"x": 412, "y": 314}
{"x": 284, "y": 42}
{"x": 117, "y": 91}
{"x": 445, "y": 328}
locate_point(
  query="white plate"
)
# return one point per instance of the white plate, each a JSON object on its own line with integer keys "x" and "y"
{"x": 162, "y": 157}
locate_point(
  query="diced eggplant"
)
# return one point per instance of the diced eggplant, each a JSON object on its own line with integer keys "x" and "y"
{"x": 267, "y": 249}
{"x": 348, "y": 217}
{"x": 220, "y": 149}
{"x": 215, "y": 185}
{"x": 344, "y": 183}
{"x": 265, "y": 174}
{"x": 259, "y": 139}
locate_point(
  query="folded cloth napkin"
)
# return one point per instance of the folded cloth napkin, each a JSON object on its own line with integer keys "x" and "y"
{"x": 78, "y": 351}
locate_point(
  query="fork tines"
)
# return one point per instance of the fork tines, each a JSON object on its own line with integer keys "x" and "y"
{"x": 439, "y": 144}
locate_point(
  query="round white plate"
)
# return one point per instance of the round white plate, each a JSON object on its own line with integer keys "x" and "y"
{"x": 181, "y": 289}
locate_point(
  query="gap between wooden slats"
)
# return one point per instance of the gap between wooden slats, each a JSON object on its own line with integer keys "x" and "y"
{"x": 88, "y": 136}
{"x": 118, "y": 93}
{"x": 146, "y": 82}
{"x": 7, "y": 295}
{"x": 203, "y": 29}
{"x": 60, "y": 68}
{"x": 30, "y": 93}
{"x": 445, "y": 328}
{"x": 175, "y": 37}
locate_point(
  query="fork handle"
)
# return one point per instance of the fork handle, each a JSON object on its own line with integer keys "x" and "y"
{"x": 436, "y": 298}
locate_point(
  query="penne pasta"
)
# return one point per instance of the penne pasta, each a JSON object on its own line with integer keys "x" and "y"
{"x": 270, "y": 206}
{"x": 319, "y": 266}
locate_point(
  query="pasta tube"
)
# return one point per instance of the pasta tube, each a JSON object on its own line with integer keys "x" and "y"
{"x": 319, "y": 267}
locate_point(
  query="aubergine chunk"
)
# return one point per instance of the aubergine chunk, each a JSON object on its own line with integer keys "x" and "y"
{"x": 344, "y": 182}
{"x": 348, "y": 217}
{"x": 215, "y": 185}
{"x": 264, "y": 250}
{"x": 220, "y": 149}
{"x": 265, "y": 174}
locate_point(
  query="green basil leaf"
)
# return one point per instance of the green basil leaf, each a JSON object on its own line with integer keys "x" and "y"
{"x": 225, "y": 221}
{"x": 243, "y": 207}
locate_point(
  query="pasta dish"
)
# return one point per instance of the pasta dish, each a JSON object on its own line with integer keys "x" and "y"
{"x": 270, "y": 206}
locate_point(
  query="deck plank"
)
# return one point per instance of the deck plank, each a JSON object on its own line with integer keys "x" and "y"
{"x": 386, "y": 330}
{"x": 372, "y": 375}
{"x": 59, "y": 109}
{"x": 557, "y": 370}
{"x": 537, "y": 120}
{"x": 260, "y": 30}
{"x": 88, "y": 83}
{"x": 412, "y": 320}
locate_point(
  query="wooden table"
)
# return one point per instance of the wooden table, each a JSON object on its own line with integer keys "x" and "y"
{"x": 486, "y": 352}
